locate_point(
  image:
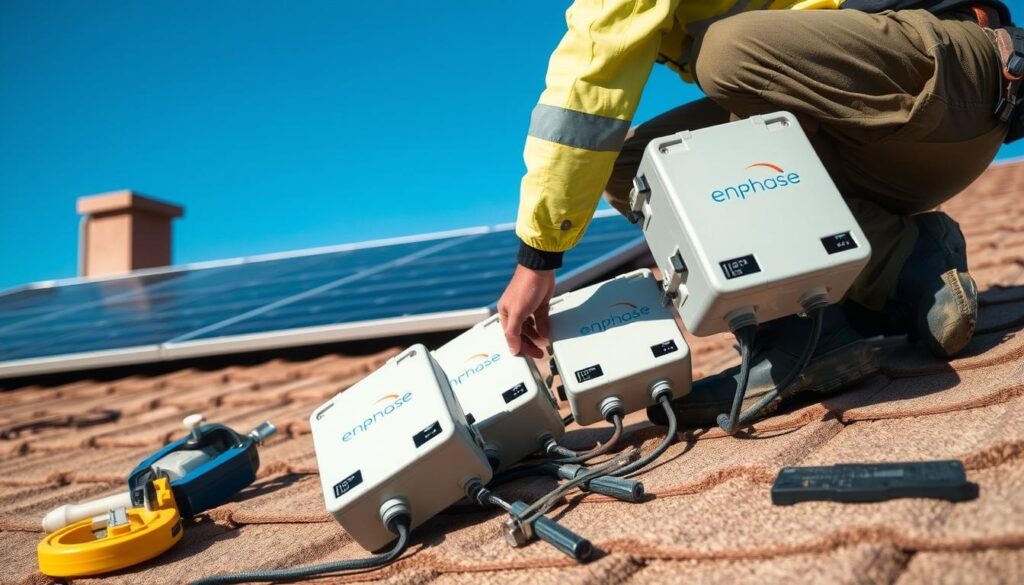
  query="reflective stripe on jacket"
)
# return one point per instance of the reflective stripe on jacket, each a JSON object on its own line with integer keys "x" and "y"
{"x": 594, "y": 81}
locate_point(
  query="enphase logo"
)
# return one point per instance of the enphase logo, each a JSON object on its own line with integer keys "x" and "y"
{"x": 393, "y": 402}
{"x": 620, "y": 313}
{"x": 740, "y": 191}
{"x": 771, "y": 166}
{"x": 473, "y": 365}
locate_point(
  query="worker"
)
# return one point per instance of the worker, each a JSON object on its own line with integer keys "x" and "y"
{"x": 905, "y": 108}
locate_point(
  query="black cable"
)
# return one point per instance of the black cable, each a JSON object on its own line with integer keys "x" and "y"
{"x": 735, "y": 419}
{"x": 670, "y": 435}
{"x": 816, "y": 316}
{"x": 564, "y": 455}
{"x": 483, "y": 497}
{"x": 494, "y": 500}
{"x": 745, "y": 337}
{"x": 399, "y": 526}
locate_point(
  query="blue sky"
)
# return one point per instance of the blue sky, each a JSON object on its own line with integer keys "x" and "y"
{"x": 278, "y": 125}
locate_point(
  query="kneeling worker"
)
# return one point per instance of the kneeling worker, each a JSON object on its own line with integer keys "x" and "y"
{"x": 905, "y": 101}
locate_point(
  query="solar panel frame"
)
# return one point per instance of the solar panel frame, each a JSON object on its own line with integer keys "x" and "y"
{"x": 186, "y": 346}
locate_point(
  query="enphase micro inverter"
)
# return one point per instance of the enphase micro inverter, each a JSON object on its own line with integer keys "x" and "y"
{"x": 395, "y": 441}
{"x": 503, "y": 395}
{"x": 614, "y": 343}
{"x": 742, "y": 218}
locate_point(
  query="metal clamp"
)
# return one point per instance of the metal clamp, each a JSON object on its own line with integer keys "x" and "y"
{"x": 639, "y": 196}
{"x": 674, "y": 279}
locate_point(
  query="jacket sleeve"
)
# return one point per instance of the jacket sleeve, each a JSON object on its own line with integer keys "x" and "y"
{"x": 593, "y": 85}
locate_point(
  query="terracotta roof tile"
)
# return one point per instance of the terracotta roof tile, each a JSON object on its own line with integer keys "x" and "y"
{"x": 863, "y": 563}
{"x": 1003, "y": 566}
{"x": 710, "y": 519}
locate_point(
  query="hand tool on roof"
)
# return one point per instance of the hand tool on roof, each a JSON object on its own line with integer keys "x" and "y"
{"x": 199, "y": 471}
{"x": 124, "y": 537}
{"x": 206, "y": 467}
{"x": 746, "y": 226}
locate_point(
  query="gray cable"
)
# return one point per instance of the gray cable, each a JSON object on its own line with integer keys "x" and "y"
{"x": 745, "y": 337}
{"x": 399, "y": 526}
{"x": 816, "y": 309}
{"x": 670, "y": 436}
{"x": 545, "y": 502}
{"x": 565, "y": 455}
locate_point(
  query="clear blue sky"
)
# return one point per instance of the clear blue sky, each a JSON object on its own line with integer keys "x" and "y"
{"x": 278, "y": 125}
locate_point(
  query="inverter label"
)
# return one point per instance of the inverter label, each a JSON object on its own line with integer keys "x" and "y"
{"x": 838, "y": 242}
{"x": 342, "y": 487}
{"x": 738, "y": 267}
{"x": 663, "y": 348}
{"x": 590, "y": 373}
{"x": 426, "y": 434}
{"x": 514, "y": 392}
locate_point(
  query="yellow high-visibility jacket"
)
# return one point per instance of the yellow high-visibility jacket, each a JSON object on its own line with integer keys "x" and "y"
{"x": 594, "y": 81}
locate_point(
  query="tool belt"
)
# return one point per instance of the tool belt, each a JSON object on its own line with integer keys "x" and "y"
{"x": 1010, "y": 110}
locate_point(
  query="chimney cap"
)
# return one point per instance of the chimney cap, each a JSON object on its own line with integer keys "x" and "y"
{"x": 126, "y": 201}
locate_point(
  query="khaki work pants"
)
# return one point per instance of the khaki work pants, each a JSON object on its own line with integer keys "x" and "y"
{"x": 898, "y": 105}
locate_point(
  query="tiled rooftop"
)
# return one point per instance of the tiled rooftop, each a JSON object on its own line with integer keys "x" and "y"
{"x": 710, "y": 519}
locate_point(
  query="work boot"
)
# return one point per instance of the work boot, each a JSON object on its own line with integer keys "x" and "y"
{"x": 841, "y": 358}
{"x": 936, "y": 300}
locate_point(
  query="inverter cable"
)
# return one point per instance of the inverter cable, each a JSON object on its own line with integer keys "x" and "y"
{"x": 628, "y": 490}
{"x": 623, "y": 489}
{"x": 561, "y": 454}
{"x": 547, "y": 501}
{"x": 665, "y": 400}
{"x": 398, "y": 524}
{"x": 815, "y": 309}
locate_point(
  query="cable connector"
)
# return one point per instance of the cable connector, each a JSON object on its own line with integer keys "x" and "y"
{"x": 816, "y": 299}
{"x": 517, "y": 533}
{"x": 627, "y": 490}
{"x": 741, "y": 318}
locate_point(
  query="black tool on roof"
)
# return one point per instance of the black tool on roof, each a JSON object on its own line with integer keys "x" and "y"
{"x": 873, "y": 482}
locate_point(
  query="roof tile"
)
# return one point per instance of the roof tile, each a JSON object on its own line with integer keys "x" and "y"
{"x": 709, "y": 518}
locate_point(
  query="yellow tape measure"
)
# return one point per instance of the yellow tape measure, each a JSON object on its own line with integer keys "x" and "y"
{"x": 128, "y": 537}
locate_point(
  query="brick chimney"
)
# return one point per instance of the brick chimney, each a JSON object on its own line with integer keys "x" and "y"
{"x": 123, "y": 231}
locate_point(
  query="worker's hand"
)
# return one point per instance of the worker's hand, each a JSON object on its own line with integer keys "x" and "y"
{"x": 523, "y": 310}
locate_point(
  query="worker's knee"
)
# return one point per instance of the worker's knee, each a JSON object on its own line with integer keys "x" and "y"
{"x": 727, "y": 66}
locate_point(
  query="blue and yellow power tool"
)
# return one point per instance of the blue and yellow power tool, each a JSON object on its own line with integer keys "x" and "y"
{"x": 190, "y": 475}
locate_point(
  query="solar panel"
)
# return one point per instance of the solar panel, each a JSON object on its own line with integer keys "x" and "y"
{"x": 405, "y": 285}
{"x": 194, "y": 299}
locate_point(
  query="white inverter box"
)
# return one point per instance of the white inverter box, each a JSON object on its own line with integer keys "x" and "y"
{"x": 612, "y": 342}
{"x": 743, "y": 217}
{"x": 503, "y": 395}
{"x": 398, "y": 434}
